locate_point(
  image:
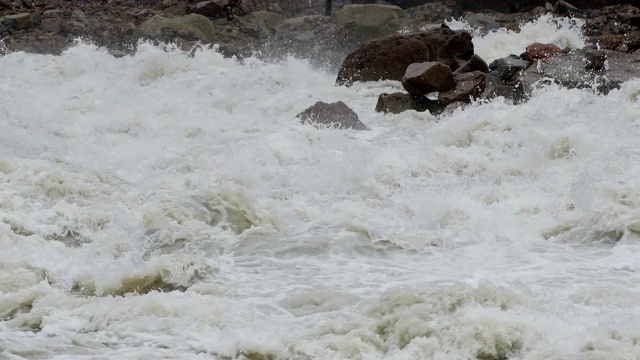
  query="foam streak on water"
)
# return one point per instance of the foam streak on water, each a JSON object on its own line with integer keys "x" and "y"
{"x": 162, "y": 206}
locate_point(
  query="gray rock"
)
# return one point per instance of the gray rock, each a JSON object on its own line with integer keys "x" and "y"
{"x": 469, "y": 86}
{"x": 508, "y": 68}
{"x": 570, "y": 71}
{"x": 494, "y": 87}
{"x": 79, "y": 15}
{"x": 487, "y": 21}
{"x": 422, "y": 78}
{"x": 20, "y": 21}
{"x": 361, "y": 23}
{"x": 563, "y": 7}
{"x": 51, "y": 25}
{"x": 143, "y": 13}
{"x": 211, "y": 8}
{"x": 398, "y": 102}
{"x": 52, "y": 12}
{"x": 475, "y": 63}
{"x": 595, "y": 59}
{"x": 336, "y": 115}
{"x": 197, "y": 26}
{"x": 266, "y": 19}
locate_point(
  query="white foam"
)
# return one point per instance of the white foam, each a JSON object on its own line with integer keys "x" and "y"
{"x": 161, "y": 171}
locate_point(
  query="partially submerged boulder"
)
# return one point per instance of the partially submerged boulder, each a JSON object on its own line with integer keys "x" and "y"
{"x": 336, "y": 115}
{"x": 389, "y": 57}
{"x": 398, "y": 102}
{"x": 468, "y": 86}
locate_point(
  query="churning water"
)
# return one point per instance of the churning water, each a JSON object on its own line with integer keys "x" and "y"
{"x": 164, "y": 206}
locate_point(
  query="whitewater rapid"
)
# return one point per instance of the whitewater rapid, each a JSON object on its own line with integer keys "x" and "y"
{"x": 168, "y": 206}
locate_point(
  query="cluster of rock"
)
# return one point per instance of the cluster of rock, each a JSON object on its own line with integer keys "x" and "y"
{"x": 440, "y": 72}
{"x": 437, "y": 67}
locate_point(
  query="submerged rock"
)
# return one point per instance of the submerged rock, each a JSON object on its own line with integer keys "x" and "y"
{"x": 336, "y": 115}
{"x": 398, "y": 102}
{"x": 389, "y": 57}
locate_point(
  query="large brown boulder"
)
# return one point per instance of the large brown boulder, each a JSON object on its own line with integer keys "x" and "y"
{"x": 388, "y": 58}
{"x": 423, "y": 78}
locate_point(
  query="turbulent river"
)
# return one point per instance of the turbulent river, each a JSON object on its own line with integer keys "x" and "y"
{"x": 163, "y": 206}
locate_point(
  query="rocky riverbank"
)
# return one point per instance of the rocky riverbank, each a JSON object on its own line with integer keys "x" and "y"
{"x": 270, "y": 28}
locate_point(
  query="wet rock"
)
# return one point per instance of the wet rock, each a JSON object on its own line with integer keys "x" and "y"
{"x": 494, "y": 87}
{"x": 571, "y": 71}
{"x": 595, "y": 59}
{"x": 563, "y": 7}
{"x": 52, "y": 12}
{"x": 74, "y": 28}
{"x": 336, "y": 115}
{"x": 608, "y": 41}
{"x": 192, "y": 26}
{"x": 485, "y": 21}
{"x": 398, "y": 102}
{"x": 268, "y": 20}
{"x": 423, "y": 78}
{"x": 475, "y": 63}
{"x": 432, "y": 13}
{"x": 538, "y": 51}
{"x": 78, "y": 15}
{"x": 179, "y": 9}
{"x": 549, "y": 7}
{"x": 20, "y": 21}
{"x": 508, "y": 68}
{"x": 389, "y": 57}
{"x": 51, "y": 25}
{"x": 468, "y": 86}
{"x": 361, "y": 23}
{"x": 212, "y": 9}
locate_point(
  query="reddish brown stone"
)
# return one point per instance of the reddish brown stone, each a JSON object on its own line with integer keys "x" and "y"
{"x": 538, "y": 51}
{"x": 610, "y": 41}
{"x": 421, "y": 79}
